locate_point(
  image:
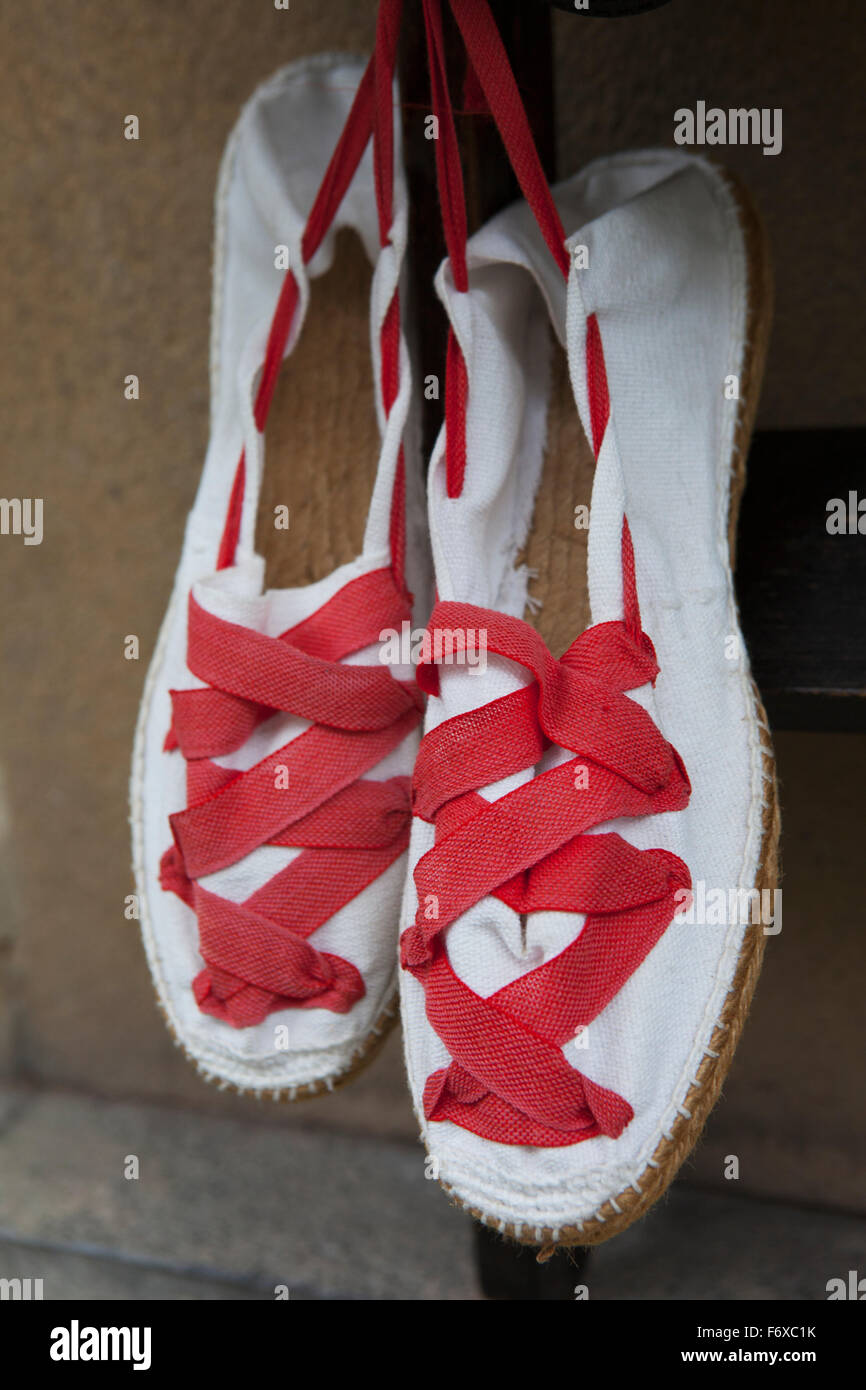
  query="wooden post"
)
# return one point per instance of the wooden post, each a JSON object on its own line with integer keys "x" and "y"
{"x": 488, "y": 178}
{"x": 506, "y": 1271}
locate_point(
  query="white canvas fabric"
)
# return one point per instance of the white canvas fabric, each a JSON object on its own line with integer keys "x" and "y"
{"x": 666, "y": 278}
{"x": 271, "y": 171}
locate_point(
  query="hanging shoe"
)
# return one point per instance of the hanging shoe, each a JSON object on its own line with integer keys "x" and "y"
{"x": 594, "y": 747}
{"x": 270, "y": 785}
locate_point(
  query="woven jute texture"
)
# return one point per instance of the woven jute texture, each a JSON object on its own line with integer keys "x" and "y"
{"x": 321, "y": 439}
{"x": 560, "y": 584}
{"x": 556, "y": 549}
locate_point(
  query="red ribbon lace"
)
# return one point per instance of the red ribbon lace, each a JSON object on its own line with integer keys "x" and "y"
{"x": 311, "y": 794}
{"x": 307, "y": 795}
{"x": 509, "y": 1079}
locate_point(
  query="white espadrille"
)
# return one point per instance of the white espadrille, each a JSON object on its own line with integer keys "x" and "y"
{"x": 271, "y": 769}
{"x": 569, "y": 1006}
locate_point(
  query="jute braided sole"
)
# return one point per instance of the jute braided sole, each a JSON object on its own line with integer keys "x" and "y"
{"x": 618, "y": 1213}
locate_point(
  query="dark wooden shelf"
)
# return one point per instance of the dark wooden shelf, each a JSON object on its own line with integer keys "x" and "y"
{"x": 801, "y": 589}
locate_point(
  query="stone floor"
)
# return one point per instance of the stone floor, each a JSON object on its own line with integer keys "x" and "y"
{"x": 224, "y": 1210}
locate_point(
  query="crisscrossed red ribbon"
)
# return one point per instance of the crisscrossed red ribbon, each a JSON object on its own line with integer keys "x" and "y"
{"x": 310, "y": 794}
{"x": 509, "y": 1079}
